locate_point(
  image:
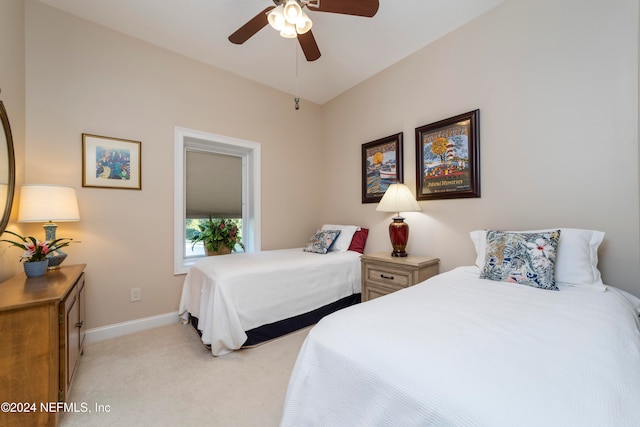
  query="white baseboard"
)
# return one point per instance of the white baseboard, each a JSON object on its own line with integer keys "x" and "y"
{"x": 125, "y": 328}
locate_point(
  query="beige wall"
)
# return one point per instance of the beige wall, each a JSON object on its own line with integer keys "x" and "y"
{"x": 12, "y": 87}
{"x": 556, "y": 83}
{"x": 86, "y": 78}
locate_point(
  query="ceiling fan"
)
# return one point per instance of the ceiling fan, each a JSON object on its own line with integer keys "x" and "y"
{"x": 288, "y": 17}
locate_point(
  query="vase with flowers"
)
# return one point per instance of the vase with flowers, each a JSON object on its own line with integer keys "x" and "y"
{"x": 219, "y": 236}
{"x": 35, "y": 252}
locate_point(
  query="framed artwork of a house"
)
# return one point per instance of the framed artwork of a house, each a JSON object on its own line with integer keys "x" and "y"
{"x": 110, "y": 162}
{"x": 448, "y": 158}
{"x": 381, "y": 166}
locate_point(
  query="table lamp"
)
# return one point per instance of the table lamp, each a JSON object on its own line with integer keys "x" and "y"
{"x": 4, "y": 189}
{"x": 398, "y": 198}
{"x": 48, "y": 203}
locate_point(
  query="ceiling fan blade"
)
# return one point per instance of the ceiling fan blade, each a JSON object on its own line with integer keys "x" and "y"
{"x": 367, "y": 8}
{"x": 254, "y": 25}
{"x": 309, "y": 46}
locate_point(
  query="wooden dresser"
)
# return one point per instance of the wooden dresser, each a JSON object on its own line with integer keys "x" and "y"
{"x": 41, "y": 334}
{"x": 383, "y": 273}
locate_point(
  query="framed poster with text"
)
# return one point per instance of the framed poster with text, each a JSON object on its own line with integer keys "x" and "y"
{"x": 448, "y": 158}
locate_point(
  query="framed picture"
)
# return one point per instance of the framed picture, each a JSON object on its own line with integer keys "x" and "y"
{"x": 110, "y": 162}
{"x": 381, "y": 166}
{"x": 448, "y": 158}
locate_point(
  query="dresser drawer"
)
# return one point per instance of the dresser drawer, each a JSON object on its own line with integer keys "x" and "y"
{"x": 388, "y": 276}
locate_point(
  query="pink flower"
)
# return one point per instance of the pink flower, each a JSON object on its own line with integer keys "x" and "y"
{"x": 36, "y": 250}
{"x": 45, "y": 247}
{"x": 28, "y": 254}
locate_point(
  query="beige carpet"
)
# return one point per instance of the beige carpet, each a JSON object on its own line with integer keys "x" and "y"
{"x": 166, "y": 377}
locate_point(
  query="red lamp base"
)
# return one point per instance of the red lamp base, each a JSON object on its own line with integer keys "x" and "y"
{"x": 399, "y": 234}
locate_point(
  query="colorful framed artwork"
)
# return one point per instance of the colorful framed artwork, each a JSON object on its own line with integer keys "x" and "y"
{"x": 448, "y": 158}
{"x": 111, "y": 162}
{"x": 381, "y": 166}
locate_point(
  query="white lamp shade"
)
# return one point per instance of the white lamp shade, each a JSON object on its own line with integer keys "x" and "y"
{"x": 289, "y": 31}
{"x": 4, "y": 189}
{"x": 292, "y": 11}
{"x": 303, "y": 24}
{"x": 398, "y": 198}
{"x": 276, "y": 18}
{"x": 42, "y": 203}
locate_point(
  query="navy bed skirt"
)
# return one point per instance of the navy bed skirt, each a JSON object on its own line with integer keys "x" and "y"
{"x": 277, "y": 329}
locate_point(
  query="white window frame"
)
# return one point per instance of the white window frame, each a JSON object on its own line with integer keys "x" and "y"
{"x": 189, "y": 139}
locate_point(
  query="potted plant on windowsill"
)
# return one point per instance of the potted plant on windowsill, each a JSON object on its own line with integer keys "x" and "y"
{"x": 35, "y": 252}
{"x": 219, "y": 236}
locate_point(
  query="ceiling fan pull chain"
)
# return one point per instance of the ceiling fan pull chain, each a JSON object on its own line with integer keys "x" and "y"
{"x": 297, "y": 99}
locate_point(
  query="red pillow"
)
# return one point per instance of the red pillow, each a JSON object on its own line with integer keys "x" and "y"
{"x": 359, "y": 240}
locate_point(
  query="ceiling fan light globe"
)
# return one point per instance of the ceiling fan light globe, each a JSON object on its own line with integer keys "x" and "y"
{"x": 303, "y": 24}
{"x": 289, "y": 31}
{"x": 276, "y": 18}
{"x": 292, "y": 11}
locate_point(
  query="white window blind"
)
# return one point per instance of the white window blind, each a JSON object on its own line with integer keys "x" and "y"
{"x": 213, "y": 184}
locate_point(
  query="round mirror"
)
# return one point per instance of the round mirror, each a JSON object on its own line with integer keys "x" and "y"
{"x": 7, "y": 169}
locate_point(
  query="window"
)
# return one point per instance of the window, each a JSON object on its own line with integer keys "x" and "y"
{"x": 215, "y": 176}
{"x": 213, "y": 189}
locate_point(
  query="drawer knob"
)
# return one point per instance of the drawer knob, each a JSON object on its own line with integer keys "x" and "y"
{"x": 79, "y": 324}
{"x": 387, "y": 277}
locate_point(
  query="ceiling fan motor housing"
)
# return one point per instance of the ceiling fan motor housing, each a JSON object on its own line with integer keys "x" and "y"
{"x": 302, "y": 3}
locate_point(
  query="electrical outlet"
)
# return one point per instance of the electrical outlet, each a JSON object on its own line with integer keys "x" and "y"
{"x": 136, "y": 294}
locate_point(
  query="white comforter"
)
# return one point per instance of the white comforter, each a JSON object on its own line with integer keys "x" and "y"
{"x": 235, "y": 293}
{"x": 460, "y": 351}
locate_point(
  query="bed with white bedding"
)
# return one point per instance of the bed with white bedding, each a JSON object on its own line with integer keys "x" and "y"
{"x": 460, "y": 350}
{"x": 233, "y": 294}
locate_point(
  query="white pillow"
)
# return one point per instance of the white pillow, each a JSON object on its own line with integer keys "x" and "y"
{"x": 479, "y": 239}
{"x": 344, "y": 239}
{"x": 577, "y": 258}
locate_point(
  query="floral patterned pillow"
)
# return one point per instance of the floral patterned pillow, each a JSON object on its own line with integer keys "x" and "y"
{"x": 321, "y": 242}
{"x": 523, "y": 258}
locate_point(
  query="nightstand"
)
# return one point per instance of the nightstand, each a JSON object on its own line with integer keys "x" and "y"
{"x": 383, "y": 274}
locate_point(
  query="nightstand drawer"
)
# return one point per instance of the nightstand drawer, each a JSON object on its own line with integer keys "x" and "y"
{"x": 388, "y": 277}
{"x": 383, "y": 274}
{"x": 372, "y": 291}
